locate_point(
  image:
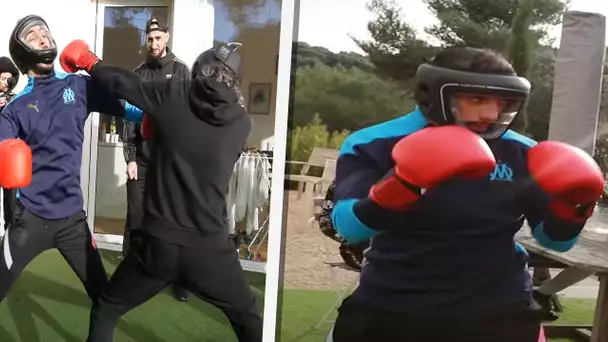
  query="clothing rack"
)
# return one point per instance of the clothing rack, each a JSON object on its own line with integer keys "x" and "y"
{"x": 248, "y": 198}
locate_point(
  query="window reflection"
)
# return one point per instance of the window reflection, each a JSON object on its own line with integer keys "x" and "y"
{"x": 255, "y": 24}
{"x": 124, "y": 45}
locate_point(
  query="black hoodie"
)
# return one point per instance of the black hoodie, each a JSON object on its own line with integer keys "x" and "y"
{"x": 200, "y": 131}
{"x": 135, "y": 146}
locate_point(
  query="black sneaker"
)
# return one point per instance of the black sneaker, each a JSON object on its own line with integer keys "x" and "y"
{"x": 180, "y": 293}
{"x": 544, "y": 305}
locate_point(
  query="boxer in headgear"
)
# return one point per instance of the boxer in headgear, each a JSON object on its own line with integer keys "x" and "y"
{"x": 441, "y": 192}
{"x": 41, "y": 136}
{"x": 183, "y": 238}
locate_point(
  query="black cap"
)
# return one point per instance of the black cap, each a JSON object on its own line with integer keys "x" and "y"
{"x": 156, "y": 25}
{"x": 6, "y": 65}
{"x": 224, "y": 53}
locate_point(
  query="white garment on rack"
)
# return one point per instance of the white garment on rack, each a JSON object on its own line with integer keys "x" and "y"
{"x": 251, "y": 217}
{"x": 242, "y": 187}
{"x": 259, "y": 192}
{"x": 231, "y": 197}
{"x": 248, "y": 191}
{"x": 263, "y": 182}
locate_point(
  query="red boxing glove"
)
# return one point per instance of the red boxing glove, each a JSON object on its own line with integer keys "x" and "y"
{"x": 15, "y": 164}
{"x": 569, "y": 175}
{"x": 429, "y": 157}
{"x": 146, "y": 127}
{"x": 77, "y": 56}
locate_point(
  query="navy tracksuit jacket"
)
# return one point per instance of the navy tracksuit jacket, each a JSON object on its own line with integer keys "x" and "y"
{"x": 452, "y": 253}
{"x": 49, "y": 115}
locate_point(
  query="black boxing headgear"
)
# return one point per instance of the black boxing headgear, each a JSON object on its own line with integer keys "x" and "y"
{"x": 22, "y": 46}
{"x": 437, "y": 88}
{"x": 224, "y": 54}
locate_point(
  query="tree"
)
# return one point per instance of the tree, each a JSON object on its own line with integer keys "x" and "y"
{"x": 520, "y": 49}
{"x": 601, "y": 144}
{"x": 345, "y": 98}
{"x": 302, "y": 140}
{"x": 307, "y": 55}
{"x": 538, "y": 110}
{"x": 486, "y": 23}
{"x": 394, "y": 47}
{"x": 246, "y": 13}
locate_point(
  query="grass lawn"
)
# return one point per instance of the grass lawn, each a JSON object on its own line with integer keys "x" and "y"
{"x": 48, "y": 304}
{"x": 302, "y": 310}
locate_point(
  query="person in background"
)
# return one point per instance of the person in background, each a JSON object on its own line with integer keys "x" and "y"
{"x": 160, "y": 63}
{"x": 9, "y": 77}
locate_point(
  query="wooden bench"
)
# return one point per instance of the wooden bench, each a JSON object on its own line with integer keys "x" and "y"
{"x": 588, "y": 257}
{"x": 306, "y": 182}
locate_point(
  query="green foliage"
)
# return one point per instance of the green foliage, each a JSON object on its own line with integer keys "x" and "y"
{"x": 521, "y": 45}
{"x": 301, "y": 141}
{"x": 601, "y": 144}
{"x": 310, "y": 56}
{"x": 487, "y": 23}
{"x": 394, "y": 47}
{"x": 345, "y": 99}
{"x": 521, "y": 42}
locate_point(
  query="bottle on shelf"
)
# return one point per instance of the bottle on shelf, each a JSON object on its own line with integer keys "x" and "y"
{"x": 113, "y": 135}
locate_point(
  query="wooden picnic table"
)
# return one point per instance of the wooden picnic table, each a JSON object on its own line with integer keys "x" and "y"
{"x": 589, "y": 254}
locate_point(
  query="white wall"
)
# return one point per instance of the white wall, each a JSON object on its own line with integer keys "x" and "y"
{"x": 111, "y": 194}
{"x": 192, "y": 28}
{"x": 260, "y": 49}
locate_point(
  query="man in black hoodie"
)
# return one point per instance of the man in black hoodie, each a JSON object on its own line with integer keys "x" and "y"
{"x": 9, "y": 76}
{"x": 199, "y": 127}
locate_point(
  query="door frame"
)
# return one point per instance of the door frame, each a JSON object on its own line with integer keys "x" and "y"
{"x": 91, "y": 139}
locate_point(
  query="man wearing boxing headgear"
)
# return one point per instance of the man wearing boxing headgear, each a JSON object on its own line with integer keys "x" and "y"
{"x": 441, "y": 192}
{"x": 194, "y": 123}
{"x": 9, "y": 77}
{"x": 41, "y": 136}
{"x": 160, "y": 62}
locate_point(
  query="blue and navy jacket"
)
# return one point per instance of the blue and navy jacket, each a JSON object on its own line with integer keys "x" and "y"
{"x": 49, "y": 115}
{"x": 453, "y": 252}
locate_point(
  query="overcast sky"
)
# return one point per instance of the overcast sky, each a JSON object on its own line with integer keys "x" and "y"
{"x": 328, "y": 23}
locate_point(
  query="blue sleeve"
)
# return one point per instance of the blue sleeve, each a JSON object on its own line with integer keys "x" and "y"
{"x": 355, "y": 175}
{"x": 552, "y": 232}
{"x": 365, "y": 158}
{"x": 549, "y": 230}
{"x": 102, "y": 101}
{"x": 9, "y": 125}
{"x": 132, "y": 113}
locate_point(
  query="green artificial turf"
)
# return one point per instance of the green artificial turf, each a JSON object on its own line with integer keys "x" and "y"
{"x": 48, "y": 304}
{"x": 303, "y": 310}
